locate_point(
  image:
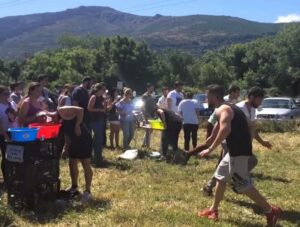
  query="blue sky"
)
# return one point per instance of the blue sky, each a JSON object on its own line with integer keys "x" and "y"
{"x": 256, "y": 10}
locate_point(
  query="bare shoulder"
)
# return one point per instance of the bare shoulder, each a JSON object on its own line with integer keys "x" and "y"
{"x": 224, "y": 110}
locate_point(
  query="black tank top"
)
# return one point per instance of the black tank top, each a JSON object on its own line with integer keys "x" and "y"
{"x": 239, "y": 141}
{"x": 98, "y": 105}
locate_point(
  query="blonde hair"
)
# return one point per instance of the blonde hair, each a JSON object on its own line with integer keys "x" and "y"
{"x": 127, "y": 90}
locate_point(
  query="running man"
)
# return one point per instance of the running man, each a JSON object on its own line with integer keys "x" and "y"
{"x": 249, "y": 106}
{"x": 233, "y": 127}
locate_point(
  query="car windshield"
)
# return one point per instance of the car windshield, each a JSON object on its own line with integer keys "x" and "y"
{"x": 276, "y": 103}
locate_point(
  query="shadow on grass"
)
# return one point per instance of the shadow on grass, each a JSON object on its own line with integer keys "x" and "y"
{"x": 261, "y": 176}
{"x": 46, "y": 212}
{"x": 120, "y": 165}
{"x": 291, "y": 216}
{"x": 239, "y": 222}
{"x": 256, "y": 209}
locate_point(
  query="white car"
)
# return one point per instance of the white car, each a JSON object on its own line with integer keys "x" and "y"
{"x": 278, "y": 109}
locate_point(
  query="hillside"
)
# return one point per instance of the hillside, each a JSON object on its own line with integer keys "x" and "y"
{"x": 196, "y": 34}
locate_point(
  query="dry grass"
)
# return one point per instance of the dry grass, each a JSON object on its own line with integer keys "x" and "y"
{"x": 149, "y": 193}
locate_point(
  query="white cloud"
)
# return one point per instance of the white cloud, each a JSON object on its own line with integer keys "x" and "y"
{"x": 288, "y": 19}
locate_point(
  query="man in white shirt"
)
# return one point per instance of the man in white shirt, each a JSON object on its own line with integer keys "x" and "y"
{"x": 175, "y": 97}
{"x": 249, "y": 106}
{"x": 162, "y": 101}
{"x": 233, "y": 94}
{"x": 190, "y": 112}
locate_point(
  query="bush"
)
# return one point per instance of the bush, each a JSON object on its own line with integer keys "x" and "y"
{"x": 276, "y": 126}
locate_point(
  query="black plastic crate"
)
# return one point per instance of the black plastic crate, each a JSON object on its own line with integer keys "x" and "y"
{"x": 32, "y": 172}
{"x": 18, "y": 198}
{"x": 32, "y": 151}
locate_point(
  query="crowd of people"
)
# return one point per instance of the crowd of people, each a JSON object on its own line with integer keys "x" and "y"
{"x": 85, "y": 111}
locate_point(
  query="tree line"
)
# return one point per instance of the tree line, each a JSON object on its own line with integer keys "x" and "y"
{"x": 272, "y": 63}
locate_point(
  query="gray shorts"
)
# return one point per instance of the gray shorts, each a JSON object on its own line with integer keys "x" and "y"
{"x": 235, "y": 170}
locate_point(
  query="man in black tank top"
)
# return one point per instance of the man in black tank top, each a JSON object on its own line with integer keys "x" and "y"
{"x": 233, "y": 127}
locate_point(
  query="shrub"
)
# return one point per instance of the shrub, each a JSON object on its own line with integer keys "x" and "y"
{"x": 276, "y": 126}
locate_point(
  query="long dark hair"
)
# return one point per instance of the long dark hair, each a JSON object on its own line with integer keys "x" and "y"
{"x": 31, "y": 87}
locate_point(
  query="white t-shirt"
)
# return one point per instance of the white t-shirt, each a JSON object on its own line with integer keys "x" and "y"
{"x": 176, "y": 97}
{"x": 187, "y": 108}
{"x": 227, "y": 99}
{"x": 249, "y": 114}
{"x": 162, "y": 102}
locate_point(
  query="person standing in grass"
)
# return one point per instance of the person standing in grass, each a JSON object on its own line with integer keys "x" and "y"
{"x": 148, "y": 109}
{"x": 30, "y": 105}
{"x": 79, "y": 147}
{"x": 172, "y": 126}
{"x": 16, "y": 93}
{"x": 113, "y": 118}
{"x": 233, "y": 127}
{"x": 97, "y": 112}
{"x": 175, "y": 97}
{"x": 190, "y": 112}
{"x": 80, "y": 97}
{"x": 234, "y": 92}
{"x": 125, "y": 109}
{"x": 162, "y": 101}
{"x": 7, "y": 120}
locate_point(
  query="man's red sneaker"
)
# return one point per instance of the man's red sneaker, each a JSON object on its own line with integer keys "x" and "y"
{"x": 210, "y": 214}
{"x": 273, "y": 216}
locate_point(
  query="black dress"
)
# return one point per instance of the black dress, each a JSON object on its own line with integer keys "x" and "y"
{"x": 81, "y": 146}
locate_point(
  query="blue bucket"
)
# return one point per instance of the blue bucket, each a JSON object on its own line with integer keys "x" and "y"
{"x": 23, "y": 134}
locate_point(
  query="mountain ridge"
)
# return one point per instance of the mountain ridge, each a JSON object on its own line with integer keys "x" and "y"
{"x": 192, "y": 33}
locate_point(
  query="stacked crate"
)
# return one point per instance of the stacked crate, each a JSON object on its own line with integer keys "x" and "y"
{"x": 32, "y": 172}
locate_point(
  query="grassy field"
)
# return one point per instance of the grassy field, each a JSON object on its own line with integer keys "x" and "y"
{"x": 145, "y": 192}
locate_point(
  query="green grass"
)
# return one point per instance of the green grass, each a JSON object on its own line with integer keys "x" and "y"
{"x": 149, "y": 193}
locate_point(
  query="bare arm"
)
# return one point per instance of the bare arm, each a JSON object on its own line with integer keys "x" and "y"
{"x": 213, "y": 135}
{"x": 225, "y": 115}
{"x": 92, "y": 104}
{"x": 23, "y": 120}
{"x": 257, "y": 137}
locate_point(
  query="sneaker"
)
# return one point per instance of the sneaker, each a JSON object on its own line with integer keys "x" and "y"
{"x": 162, "y": 158}
{"x": 273, "y": 216}
{"x": 207, "y": 191}
{"x": 73, "y": 192}
{"x": 86, "y": 197}
{"x": 210, "y": 214}
{"x": 186, "y": 156}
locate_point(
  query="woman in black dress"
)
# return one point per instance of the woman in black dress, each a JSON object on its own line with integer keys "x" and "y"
{"x": 80, "y": 145}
